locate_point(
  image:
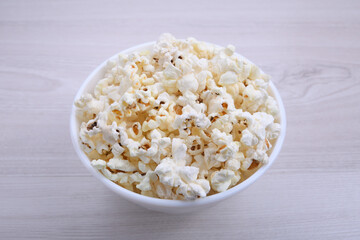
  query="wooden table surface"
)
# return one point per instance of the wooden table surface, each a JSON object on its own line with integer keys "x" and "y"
{"x": 312, "y": 51}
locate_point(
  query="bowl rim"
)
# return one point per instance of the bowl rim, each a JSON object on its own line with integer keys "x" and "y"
{"x": 145, "y": 200}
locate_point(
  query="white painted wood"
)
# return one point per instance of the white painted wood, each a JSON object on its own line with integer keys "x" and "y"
{"x": 310, "y": 48}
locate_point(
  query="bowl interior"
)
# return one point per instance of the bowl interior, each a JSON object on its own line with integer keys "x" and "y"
{"x": 89, "y": 85}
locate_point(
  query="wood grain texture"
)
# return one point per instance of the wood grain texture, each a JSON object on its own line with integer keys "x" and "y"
{"x": 311, "y": 49}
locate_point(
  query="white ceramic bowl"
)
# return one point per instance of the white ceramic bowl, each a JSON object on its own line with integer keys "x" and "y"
{"x": 164, "y": 205}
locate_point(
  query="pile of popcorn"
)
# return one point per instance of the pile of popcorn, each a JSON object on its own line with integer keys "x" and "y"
{"x": 183, "y": 120}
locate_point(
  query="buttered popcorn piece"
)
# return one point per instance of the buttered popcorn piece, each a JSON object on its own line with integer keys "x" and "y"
{"x": 181, "y": 120}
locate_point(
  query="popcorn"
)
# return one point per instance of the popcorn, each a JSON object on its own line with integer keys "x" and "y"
{"x": 248, "y": 138}
{"x": 226, "y": 147}
{"x": 235, "y": 163}
{"x": 261, "y": 83}
{"x": 271, "y": 107}
{"x": 117, "y": 150}
{"x": 145, "y": 151}
{"x": 254, "y": 72}
{"x": 190, "y": 118}
{"x": 150, "y": 124}
{"x": 221, "y": 180}
{"x": 87, "y": 144}
{"x": 135, "y": 131}
{"x": 172, "y": 72}
{"x": 253, "y": 98}
{"x": 261, "y": 122}
{"x": 204, "y": 164}
{"x": 182, "y": 120}
{"x": 101, "y": 86}
{"x": 89, "y": 106}
{"x": 229, "y": 50}
{"x": 183, "y": 177}
{"x": 222, "y": 123}
{"x": 173, "y": 172}
{"x": 228, "y": 78}
{"x": 165, "y": 192}
{"x": 195, "y": 145}
{"x": 273, "y": 131}
{"x": 163, "y": 100}
{"x": 220, "y": 138}
{"x": 133, "y": 147}
{"x": 119, "y": 177}
{"x": 187, "y": 83}
{"x": 145, "y": 184}
{"x": 143, "y": 167}
{"x": 117, "y": 163}
{"x": 257, "y": 154}
{"x": 98, "y": 164}
{"x": 195, "y": 189}
{"x": 202, "y": 78}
